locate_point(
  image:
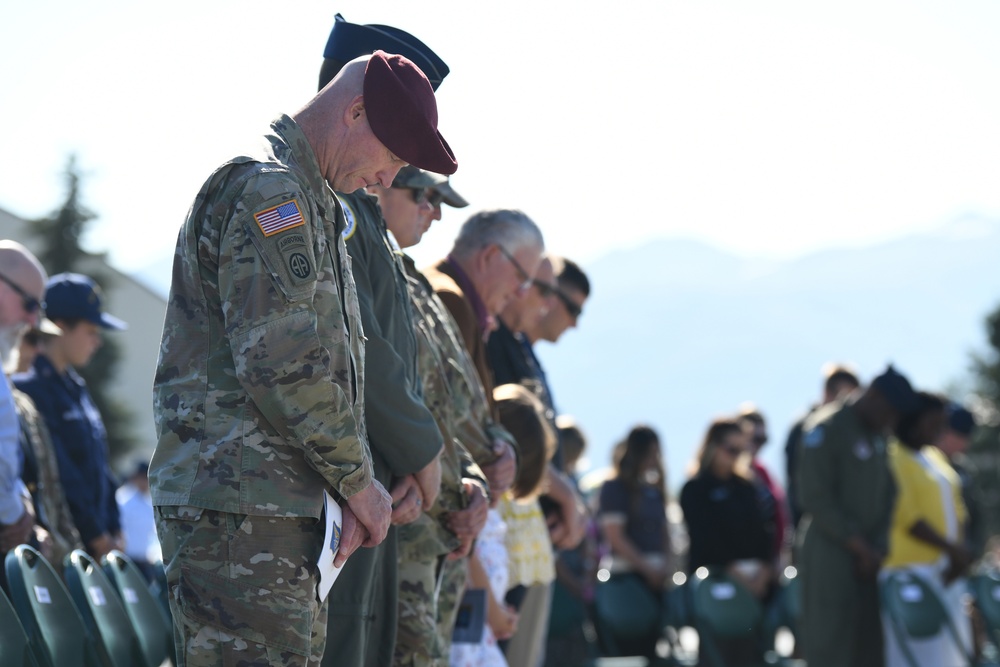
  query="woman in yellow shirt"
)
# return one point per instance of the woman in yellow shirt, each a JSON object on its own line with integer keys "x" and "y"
{"x": 927, "y": 534}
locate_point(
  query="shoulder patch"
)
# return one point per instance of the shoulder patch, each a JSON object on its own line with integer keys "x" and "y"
{"x": 813, "y": 438}
{"x": 350, "y": 216}
{"x": 279, "y": 218}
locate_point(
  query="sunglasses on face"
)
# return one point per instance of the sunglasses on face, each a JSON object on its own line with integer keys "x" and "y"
{"x": 419, "y": 195}
{"x": 544, "y": 289}
{"x": 30, "y": 303}
{"x": 571, "y": 306}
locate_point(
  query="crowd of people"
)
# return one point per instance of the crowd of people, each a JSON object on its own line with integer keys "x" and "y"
{"x": 59, "y": 492}
{"x": 305, "y": 360}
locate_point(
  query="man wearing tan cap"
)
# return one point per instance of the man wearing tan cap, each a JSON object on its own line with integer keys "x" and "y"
{"x": 259, "y": 391}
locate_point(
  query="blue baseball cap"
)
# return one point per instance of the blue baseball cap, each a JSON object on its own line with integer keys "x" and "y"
{"x": 348, "y": 41}
{"x": 960, "y": 419}
{"x": 73, "y": 296}
{"x": 897, "y": 390}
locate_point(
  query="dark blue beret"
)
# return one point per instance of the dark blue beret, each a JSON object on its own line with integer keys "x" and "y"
{"x": 348, "y": 41}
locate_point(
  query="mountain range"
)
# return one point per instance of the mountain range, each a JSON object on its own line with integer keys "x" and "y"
{"x": 677, "y": 332}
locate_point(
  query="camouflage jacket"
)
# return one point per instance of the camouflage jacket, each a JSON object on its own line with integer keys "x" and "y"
{"x": 455, "y": 396}
{"x": 401, "y": 430}
{"x": 258, "y": 393}
{"x": 45, "y": 486}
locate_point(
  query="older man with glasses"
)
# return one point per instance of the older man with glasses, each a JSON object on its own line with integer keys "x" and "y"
{"x": 22, "y": 286}
{"x": 494, "y": 259}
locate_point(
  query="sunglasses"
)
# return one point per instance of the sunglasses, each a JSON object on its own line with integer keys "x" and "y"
{"x": 526, "y": 280}
{"x": 544, "y": 289}
{"x": 421, "y": 195}
{"x": 571, "y": 306}
{"x": 30, "y": 303}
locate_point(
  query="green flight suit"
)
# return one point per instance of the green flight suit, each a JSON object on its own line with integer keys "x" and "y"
{"x": 846, "y": 489}
{"x": 402, "y": 433}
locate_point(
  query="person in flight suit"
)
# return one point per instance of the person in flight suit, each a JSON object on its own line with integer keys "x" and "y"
{"x": 847, "y": 494}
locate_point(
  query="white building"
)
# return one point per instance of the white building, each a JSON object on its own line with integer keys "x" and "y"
{"x": 144, "y": 310}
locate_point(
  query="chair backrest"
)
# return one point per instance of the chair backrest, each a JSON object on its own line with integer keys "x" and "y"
{"x": 912, "y": 605}
{"x": 52, "y": 622}
{"x": 725, "y": 608}
{"x": 101, "y": 610}
{"x": 985, "y": 590}
{"x": 15, "y": 650}
{"x": 151, "y": 625}
{"x": 626, "y": 607}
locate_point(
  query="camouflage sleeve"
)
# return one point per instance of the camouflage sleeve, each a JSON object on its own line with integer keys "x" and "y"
{"x": 276, "y": 280}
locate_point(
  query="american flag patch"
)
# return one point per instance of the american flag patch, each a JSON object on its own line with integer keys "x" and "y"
{"x": 279, "y": 218}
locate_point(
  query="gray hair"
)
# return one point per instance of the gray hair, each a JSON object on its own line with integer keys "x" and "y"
{"x": 509, "y": 228}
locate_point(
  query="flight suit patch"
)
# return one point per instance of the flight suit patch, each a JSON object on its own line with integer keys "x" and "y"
{"x": 813, "y": 438}
{"x": 351, "y": 217}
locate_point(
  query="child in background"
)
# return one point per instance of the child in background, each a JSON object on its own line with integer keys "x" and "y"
{"x": 522, "y": 414}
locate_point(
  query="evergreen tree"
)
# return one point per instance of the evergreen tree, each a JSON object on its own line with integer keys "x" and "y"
{"x": 985, "y": 447}
{"x": 60, "y": 234}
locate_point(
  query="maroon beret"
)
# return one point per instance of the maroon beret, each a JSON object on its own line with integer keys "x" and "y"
{"x": 402, "y": 113}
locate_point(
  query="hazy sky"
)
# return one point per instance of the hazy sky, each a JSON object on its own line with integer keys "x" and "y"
{"x": 771, "y": 128}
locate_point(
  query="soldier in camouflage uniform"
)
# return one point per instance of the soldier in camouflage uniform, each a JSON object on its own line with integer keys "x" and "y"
{"x": 432, "y": 563}
{"x": 258, "y": 394}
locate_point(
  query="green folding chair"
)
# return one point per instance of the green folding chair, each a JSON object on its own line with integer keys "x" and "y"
{"x": 723, "y": 610}
{"x": 15, "y": 649}
{"x": 985, "y": 591}
{"x": 101, "y": 609}
{"x": 56, "y": 632}
{"x": 151, "y": 625}
{"x": 915, "y": 611}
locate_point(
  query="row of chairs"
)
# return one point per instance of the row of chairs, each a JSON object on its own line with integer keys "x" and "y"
{"x": 101, "y": 616}
{"x": 916, "y": 611}
{"x": 721, "y": 610}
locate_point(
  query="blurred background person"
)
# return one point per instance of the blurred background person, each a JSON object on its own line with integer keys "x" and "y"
{"x": 847, "y": 494}
{"x": 927, "y": 535}
{"x": 726, "y": 526}
{"x": 74, "y": 303}
{"x": 571, "y": 635}
{"x": 632, "y": 514}
{"x": 55, "y": 533}
{"x": 22, "y": 284}
{"x": 838, "y": 381}
{"x": 135, "y": 509}
{"x": 770, "y": 496}
{"x": 954, "y": 444}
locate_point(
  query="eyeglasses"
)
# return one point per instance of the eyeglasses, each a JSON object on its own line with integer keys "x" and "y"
{"x": 419, "y": 195}
{"x": 526, "y": 279}
{"x": 572, "y": 307}
{"x": 545, "y": 289}
{"x": 732, "y": 450}
{"x": 30, "y": 303}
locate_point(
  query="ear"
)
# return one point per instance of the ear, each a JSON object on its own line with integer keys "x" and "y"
{"x": 355, "y": 110}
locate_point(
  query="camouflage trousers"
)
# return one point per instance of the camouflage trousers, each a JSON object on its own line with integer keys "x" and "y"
{"x": 430, "y": 589}
{"x": 242, "y": 589}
